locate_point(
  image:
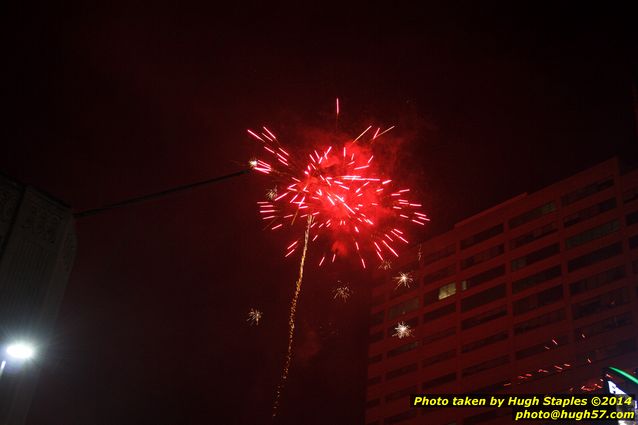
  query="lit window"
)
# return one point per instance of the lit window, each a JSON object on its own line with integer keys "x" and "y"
{"x": 447, "y": 290}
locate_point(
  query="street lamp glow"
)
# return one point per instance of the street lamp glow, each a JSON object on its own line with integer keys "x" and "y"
{"x": 21, "y": 351}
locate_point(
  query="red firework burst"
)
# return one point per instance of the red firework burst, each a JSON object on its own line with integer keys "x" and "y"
{"x": 354, "y": 208}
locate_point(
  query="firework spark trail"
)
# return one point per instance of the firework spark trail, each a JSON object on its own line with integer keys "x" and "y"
{"x": 291, "y": 321}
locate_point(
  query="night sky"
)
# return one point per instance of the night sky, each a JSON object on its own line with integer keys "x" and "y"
{"x": 106, "y": 103}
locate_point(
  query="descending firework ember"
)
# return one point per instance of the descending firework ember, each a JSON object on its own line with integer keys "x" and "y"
{"x": 271, "y": 194}
{"x": 342, "y": 292}
{"x": 385, "y": 265}
{"x": 254, "y": 316}
{"x": 402, "y": 331}
{"x": 355, "y": 208}
{"x": 404, "y": 279}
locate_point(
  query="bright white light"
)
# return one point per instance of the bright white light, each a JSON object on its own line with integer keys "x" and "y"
{"x": 402, "y": 331}
{"x": 404, "y": 279}
{"x": 21, "y": 350}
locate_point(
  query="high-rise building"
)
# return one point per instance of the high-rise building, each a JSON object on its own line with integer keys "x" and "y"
{"x": 37, "y": 249}
{"x": 535, "y": 295}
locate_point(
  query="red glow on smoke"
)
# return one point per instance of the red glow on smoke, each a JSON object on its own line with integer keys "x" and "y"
{"x": 355, "y": 208}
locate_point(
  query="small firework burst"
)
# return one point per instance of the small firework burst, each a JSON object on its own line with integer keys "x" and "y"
{"x": 404, "y": 279}
{"x": 343, "y": 292}
{"x": 385, "y": 265}
{"x": 254, "y": 316}
{"x": 402, "y": 331}
{"x": 271, "y": 194}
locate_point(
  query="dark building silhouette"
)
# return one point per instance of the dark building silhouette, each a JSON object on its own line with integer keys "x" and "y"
{"x": 37, "y": 249}
{"x": 535, "y": 295}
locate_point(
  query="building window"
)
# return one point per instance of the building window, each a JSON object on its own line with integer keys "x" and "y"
{"x": 482, "y": 256}
{"x": 538, "y": 300}
{"x": 439, "y": 274}
{"x": 431, "y": 297}
{"x": 632, "y": 218}
{"x": 397, "y": 395}
{"x": 375, "y": 359}
{"x": 485, "y": 317}
{"x": 403, "y": 308}
{"x": 486, "y": 365}
{"x": 589, "y": 212}
{"x": 534, "y": 235}
{"x": 439, "y": 380}
{"x": 403, "y": 349}
{"x": 373, "y": 381}
{"x": 439, "y": 312}
{"x": 592, "y": 234}
{"x": 439, "y": 335}
{"x": 492, "y": 339}
{"x": 623, "y": 347}
{"x": 439, "y": 255}
{"x": 535, "y": 279}
{"x": 539, "y": 322}
{"x": 410, "y": 266}
{"x": 492, "y": 388}
{"x": 447, "y": 290}
{"x": 606, "y": 301}
{"x": 536, "y": 256}
{"x": 372, "y": 403}
{"x": 438, "y": 358}
{"x": 630, "y": 195}
{"x": 400, "y": 371}
{"x": 542, "y": 347}
{"x": 439, "y": 294}
{"x": 530, "y": 215}
{"x": 603, "y": 326}
{"x": 403, "y": 289}
{"x": 482, "y": 298}
{"x": 486, "y": 276}
{"x": 482, "y": 236}
{"x": 375, "y": 337}
{"x": 597, "y": 280}
{"x": 401, "y": 417}
{"x": 586, "y": 191}
{"x": 377, "y": 318}
{"x": 595, "y": 257}
{"x": 484, "y": 417}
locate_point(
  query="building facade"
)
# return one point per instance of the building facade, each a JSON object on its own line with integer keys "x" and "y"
{"x": 37, "y": 249}
{"x": 535, "y": 295}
